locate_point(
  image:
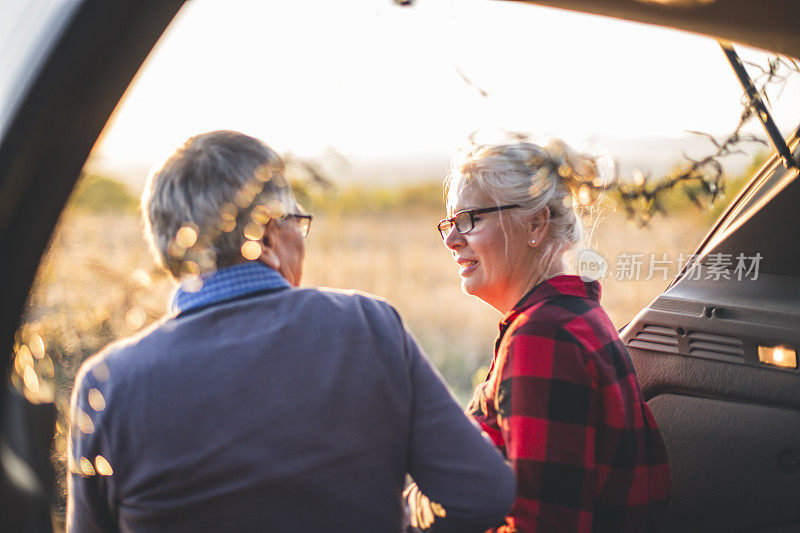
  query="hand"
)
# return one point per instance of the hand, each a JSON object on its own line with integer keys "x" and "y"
{"x": 421, "y": 511}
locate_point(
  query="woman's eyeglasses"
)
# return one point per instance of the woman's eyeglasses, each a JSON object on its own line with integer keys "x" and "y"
{"x": 464, "y": 221}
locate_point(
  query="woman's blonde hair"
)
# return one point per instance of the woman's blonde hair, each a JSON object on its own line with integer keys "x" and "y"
{"x": 551, "y": 176}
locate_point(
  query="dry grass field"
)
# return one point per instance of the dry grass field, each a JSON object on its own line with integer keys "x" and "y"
{"x": 400, "y": 257}
{"x": 98, "y": 283}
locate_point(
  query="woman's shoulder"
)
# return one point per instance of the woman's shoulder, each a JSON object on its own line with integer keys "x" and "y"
{"x": 559, "y": 310}
{"x": 568, "y": 318}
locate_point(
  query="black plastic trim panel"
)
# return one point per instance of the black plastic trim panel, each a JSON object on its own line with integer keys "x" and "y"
{"x": 724, "y": 478}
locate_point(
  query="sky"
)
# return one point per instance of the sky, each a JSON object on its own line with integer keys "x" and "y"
{"x": 370, "y": 78}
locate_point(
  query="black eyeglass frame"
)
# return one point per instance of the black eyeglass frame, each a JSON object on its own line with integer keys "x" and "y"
{"x": 305, "y": 224}
{"x": 446, "y": 225}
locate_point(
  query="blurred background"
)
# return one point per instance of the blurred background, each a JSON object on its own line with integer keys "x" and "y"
{"x": 367, "y": 100}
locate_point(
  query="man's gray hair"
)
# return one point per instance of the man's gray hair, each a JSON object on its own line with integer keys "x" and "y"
{"x": 212, "y": 195}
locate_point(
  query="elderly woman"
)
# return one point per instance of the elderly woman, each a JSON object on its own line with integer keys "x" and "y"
{"x": 561, "y": 400}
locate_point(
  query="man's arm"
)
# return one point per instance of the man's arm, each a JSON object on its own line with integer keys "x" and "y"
{"x": 452, "y": 463}
{"x": 87, "y": 476}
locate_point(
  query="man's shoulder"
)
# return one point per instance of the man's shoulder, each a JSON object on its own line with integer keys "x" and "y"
{"x": 342, "y": 297}
{"x": 116, "y": 355}
{"x": 336, "y": 294}
{"x": 332, "y": 309}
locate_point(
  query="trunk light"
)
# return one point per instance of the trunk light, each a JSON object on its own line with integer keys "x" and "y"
{"x": 778, "y": 356}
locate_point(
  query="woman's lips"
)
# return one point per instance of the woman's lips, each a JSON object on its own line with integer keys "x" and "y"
{"x": 466, "y": 266}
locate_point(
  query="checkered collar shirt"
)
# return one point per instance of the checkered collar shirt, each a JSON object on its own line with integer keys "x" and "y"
{"x": 562, "y": 403}
{"x": 558, "y": 286}
{"x": 228, "y": 284}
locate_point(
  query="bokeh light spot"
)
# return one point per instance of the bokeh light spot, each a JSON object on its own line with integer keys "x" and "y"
{"x": 30, "y": 379}
{"x": 103, "y": 466}
{"x": 251, "y": 250}
{"x": 85, "y": 423}
{"x": 253, "y": 188}
{"x": 537, "y": 187}
{"x": 542, "y": 173}
{"x": 254, "y": 231}
{"x": 141, "y": 277}
{"x": 190, "y": 268}
{"x": 96, "y": 400}
{"x": 263, "y": 173}
{"x": 37, "y": 346}
{"x": 260, "y": 214}
{"x": 584, "y": 195}
{"x": 175, "y": 250}
{"x": 186, "y": 236}
{"x": 226, "y": 222}
{"x": 47, "y": 392}
{"x": 207, "y": 260}
{"x": 135, "y": 317}
{"x": 101, "y": 372}
{"x": 229, "y": 209}
{"x": 23, "y": 359}
{"x": 243, "y": 198}
{"x": 86, "y": 467}
{"x": 191, "y": 283}
{"x": 277, "y": 209}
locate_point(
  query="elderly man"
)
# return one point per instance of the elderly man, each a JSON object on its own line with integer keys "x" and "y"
{"x": 256, "y": 405}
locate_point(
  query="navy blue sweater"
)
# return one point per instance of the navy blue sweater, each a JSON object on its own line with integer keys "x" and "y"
{"x": 296, "y": 410}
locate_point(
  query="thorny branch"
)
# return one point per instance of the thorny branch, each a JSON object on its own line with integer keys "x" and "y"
{"x": 470, "y": 82}
{"x": 642, "y": 199}
{"x": 699, "y": 179}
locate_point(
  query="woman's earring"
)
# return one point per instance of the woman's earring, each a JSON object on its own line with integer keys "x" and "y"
{"x": 533, "y": 241}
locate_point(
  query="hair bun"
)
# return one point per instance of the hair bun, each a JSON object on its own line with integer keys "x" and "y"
{"x": 579, "y": 172}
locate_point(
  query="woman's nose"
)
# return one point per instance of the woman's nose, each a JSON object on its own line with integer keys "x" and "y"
{"x": 454, "y": 239}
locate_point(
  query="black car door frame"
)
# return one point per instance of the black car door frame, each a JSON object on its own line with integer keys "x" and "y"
{"x": 58, "y": 115}
{"x": 55, "y": 126}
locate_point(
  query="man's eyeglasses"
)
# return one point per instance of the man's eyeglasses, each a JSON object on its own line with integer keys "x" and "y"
{"x": 303, "y": 219}
{"x": 464, "y": 221}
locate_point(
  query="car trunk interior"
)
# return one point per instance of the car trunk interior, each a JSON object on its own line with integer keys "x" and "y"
{"x": 730, "y": 420}
{"x": 716, "y": 355}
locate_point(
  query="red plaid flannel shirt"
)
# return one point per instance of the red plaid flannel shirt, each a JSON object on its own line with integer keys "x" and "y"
{"x": 562, "y": 403}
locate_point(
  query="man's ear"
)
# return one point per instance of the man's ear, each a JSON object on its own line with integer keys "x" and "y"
{"x": 539, "y": 224}
{"x": 268, "y": 255}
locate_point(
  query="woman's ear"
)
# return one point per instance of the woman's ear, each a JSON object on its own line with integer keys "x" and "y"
{"x": 268, "y": 255}
{"x": 539, "y": 224}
